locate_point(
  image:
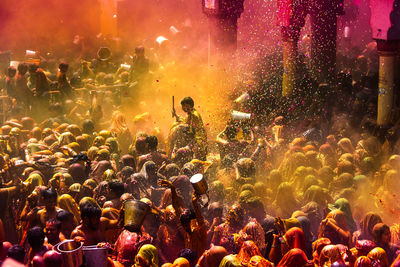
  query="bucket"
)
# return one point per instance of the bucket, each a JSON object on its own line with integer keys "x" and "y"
{"x": 71, "y": 252}
{"x": 199, "y": 184}
{"x": 200, "y": 187}
{"x": 237, "y": 115}
{"x": 95, "y": 256}
{"x": 125, "y": 67}
{"x": 244, "y": 97}
{"x": 135, "y": 212}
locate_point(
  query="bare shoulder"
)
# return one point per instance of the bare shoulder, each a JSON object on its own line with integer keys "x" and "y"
{"x": 77, "y": 232}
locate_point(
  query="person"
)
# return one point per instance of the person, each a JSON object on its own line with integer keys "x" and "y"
{"x": 50, "y": 209}
{"x": 7, "y": 222}
{"x": 11, "y": 82}
{"x": 52, "y": 232}
{"x": 196, "y": 229}
{"x": 23, "y": 94}
{"x": 335, "y": 228}
{"x": 92, "y": 229}
{"x": 382, "y": 237}
{"x": 229, "y": 144}
{"x": 258, "y": 261}
{"x": 366, "y": 226}
{"x": 196, "y": 127}
{"x": 67, "y": 203}
{"x": 36, "y": 239}
{"x": 363, "y": 261}
{"x": 343, "y": 205}
{"x": 151, "y": 177}
{"x": 42, "y": 86}
{"x": 253, "y": 231}
{"x": 140, "y": 64}
{"x": 212, "y": 257}
{"x": 171, "y": 239}
{"x": 147, "y": 256}
{"x": 17, "y": 253}
{"x": 63, "y": 84}
{"x": 181, "y": 262}
{"x": 116, "y": 190}
{"x": 247, "y": 251}
{"x": 293, "y": 238}
{"x": 285, "y": 202}
{"x": 154, "y": 155}
{"x": 230, "y": 261}
{"x": 67, "y": 221}
{"x": 103, "y": 63}
{"x": 379, "y": 254}
{"x": 128, "y": 246}
{"x": 293, "y": 258}
{"x": 119, "y": 129}
{"x": 224, "y": 233}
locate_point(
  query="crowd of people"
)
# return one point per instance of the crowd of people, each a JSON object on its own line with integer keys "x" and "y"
{"x": 313, "y": 190}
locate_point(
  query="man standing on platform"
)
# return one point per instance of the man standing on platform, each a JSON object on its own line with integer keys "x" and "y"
{"x": 196, "y": 127}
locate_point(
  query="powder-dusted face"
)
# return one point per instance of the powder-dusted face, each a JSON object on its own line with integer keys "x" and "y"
{"x": 51, "y": 230}
{"x": 169, "y": 213}
{"x": 186, "y": 107}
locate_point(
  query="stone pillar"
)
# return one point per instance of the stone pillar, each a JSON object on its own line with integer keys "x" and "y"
{"x": 289, "y": 66}
{"x": 384, "y": 22}
{"x": 222, "y": 18}
{"x": 387, "y": 70}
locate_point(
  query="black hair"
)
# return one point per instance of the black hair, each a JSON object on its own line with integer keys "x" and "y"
{"x": 378, "y": 230}
{"x": 35, "y": 237}
{"x": 49, "y": 193}
{"x": 186, "y": 216}
{"x": 90, "y": 211}
{"x": 117, "y": 187}
{"x": 22, "y": 68}
{"x": 126, "y": 172}
{"x": 32, "y": 67}
{"x": 187, "y": 100}
{"x": 63, "y": 65}
{"x": 54, "y": 221}
{"x": 17, "y": 253}
{"x": 188, "y": 254}
{"x": 64, "y": 215}
{"x": 152, "y": 142}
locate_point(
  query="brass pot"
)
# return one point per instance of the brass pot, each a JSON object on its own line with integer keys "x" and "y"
{"x": 135, "y": 212}
{"x": 71, "y": 252}
{"x": 199, "y": 184}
